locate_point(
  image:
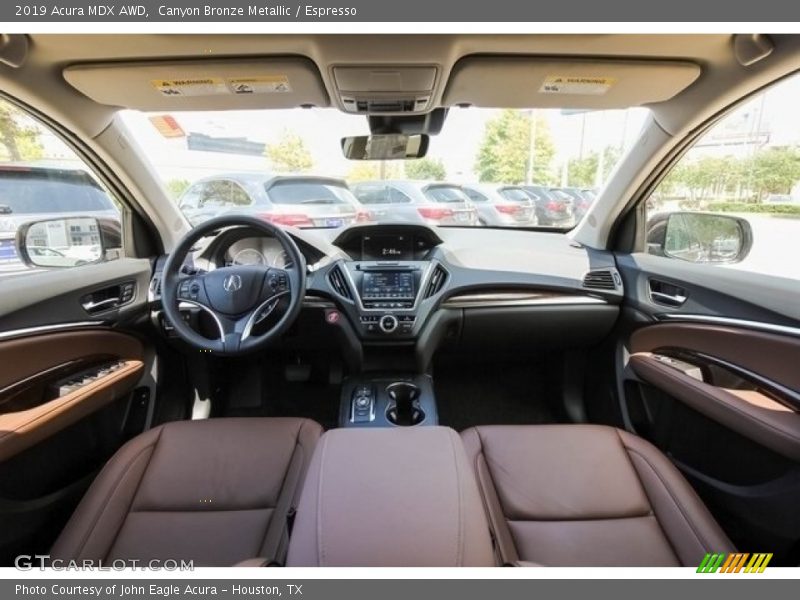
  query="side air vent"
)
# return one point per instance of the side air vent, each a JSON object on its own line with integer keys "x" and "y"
{"x": 602, "y": 279}
{"x": 436, "y": 282}
{"x": 339, "y": 284}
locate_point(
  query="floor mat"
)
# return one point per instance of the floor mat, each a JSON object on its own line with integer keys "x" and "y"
{"x": 494, "y": 394}
{"x": 264, "y": 392}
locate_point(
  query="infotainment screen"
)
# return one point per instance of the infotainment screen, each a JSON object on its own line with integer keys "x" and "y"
{"x": 387, "y": 247}
{"x": 387, "y": 285}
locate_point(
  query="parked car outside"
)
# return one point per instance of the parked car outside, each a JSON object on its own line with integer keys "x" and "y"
{"x": 31, "y": 192}
{"x": 431, "y": 203}
{"x": 582, "y": 200}
{"x": 293, "y": 200}
{"x": 554, "y": 208}
{"x": 500, "y": 205}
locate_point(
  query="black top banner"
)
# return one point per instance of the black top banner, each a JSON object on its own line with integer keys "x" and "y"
{"x": 440, "y": 11}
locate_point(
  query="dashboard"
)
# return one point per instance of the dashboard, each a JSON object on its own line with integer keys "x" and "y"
{"x": 406, "y": 284}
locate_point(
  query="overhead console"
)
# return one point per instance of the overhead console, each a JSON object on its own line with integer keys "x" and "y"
{"x": 385, "y": 89}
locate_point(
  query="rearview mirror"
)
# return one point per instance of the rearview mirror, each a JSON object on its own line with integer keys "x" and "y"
{"x": 700, "y": 237}
{"x": 397, "y": 146}
{"x": 59, "y": 243}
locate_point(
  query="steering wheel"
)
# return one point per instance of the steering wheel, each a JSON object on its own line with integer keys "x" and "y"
{"x": 237, "y": 297}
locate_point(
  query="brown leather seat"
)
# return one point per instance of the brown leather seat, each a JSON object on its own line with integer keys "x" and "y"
{"x": 215, "y": 491}
{"x": 587, "y": 495}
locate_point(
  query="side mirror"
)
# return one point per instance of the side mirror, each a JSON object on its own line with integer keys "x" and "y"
{"x": 60, "y": 243}
{"x": 700, "y": 237}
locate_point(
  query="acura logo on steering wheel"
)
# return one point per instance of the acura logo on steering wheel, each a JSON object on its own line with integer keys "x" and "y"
{"x": 232, "y": 283}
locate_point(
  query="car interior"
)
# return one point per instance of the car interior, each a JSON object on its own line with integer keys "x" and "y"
{"x": 390, "y": 393}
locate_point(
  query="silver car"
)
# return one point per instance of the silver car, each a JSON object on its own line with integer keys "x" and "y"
{"x": 293, "y": 200}
{"x": 431, "y": 203}
{"x": 501, "y": 205}
{"x": 32, "y": 192}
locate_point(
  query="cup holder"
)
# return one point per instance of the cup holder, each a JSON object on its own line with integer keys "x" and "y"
{"x": 404, "y": 409}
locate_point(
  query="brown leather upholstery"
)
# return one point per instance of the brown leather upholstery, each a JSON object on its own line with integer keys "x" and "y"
{"x": 213, "y": 491}
{"x": 749, "y": 413}
{"x": 588, "y": 495}
{"x": 390, "y": 498}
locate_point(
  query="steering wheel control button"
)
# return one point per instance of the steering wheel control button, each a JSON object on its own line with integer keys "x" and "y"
{"x": 388, "y": 323}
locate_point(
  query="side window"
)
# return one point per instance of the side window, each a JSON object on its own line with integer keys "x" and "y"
{"x": 371, "y": 193}
{"x": 733, "y": 200}
{"x": 214, "y": 194}
{"x": 66, "y": 216}
{"x": 474, "y": 196}
{"x": 397, "y": 197}
{"x": 238, "y": 197}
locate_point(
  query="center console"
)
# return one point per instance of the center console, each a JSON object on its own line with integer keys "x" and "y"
{"x": 386, "y": 287}
{"x": 390, "y": 497}
{"x": 388, "y": 297}
{"x": 390, "y": 275}
{"x": 388, "y": 401}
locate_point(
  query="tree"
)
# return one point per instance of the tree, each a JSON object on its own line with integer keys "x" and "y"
{"x": 290, "y": 154}
{"x": 20, "y": 140}
{"x": 430, "y": 169}
{"x": 775, "y": 171}
{"x": 506, "y": 147}
{"x": 370, "y": 170}
{"x": 582, "y": 172}
{"x": 176, "y": 187}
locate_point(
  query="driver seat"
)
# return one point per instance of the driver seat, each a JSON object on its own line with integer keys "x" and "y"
{"x": 217, "y": 492}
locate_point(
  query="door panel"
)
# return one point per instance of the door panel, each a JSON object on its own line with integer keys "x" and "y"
{"x": 49, "y": 382}
{"x": 76, "y": 381}
{"x": 709, "y": 290}
{"x": 713, "y": 381}
{"x": 43, "y": 298}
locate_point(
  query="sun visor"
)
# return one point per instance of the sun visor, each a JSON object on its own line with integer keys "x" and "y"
{"x": 547, "y": 82}
{"x": 202, "y": 84}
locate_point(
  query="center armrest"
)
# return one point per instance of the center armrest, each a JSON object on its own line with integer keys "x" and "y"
{"x": 390, "y": 497}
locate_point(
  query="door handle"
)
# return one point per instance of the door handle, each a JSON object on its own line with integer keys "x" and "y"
{"x": 92, "y": 306}
{"x": 662, "y": 298}
{"x": 666, "y": 294}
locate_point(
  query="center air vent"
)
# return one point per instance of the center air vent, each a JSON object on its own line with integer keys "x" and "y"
{"x": 339, "y": 284}
{"x": 602, "y": 279}
{"x": 436, "y": 282}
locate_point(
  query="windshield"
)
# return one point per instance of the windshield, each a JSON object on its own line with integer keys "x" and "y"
{"x": 266, "y": 162}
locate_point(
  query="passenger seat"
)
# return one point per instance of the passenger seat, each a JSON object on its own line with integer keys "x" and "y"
{"x": 587, "y": 495}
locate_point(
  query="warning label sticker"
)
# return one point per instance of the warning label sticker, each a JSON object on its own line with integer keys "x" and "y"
{"x": 209, "y": 86}
{"x": 572, "y": 84}
{"x": 268, "y": 84}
